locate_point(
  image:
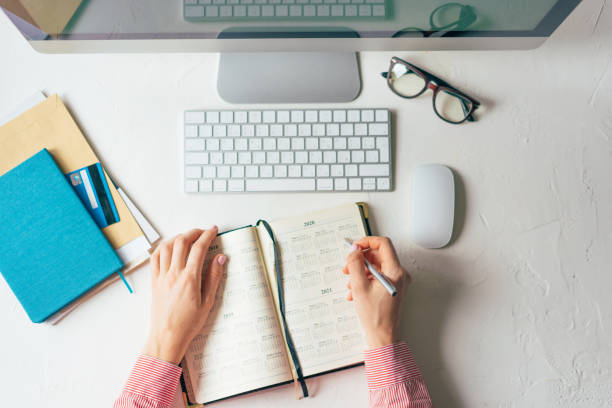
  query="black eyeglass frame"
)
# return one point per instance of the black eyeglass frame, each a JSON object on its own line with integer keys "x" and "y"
{"x": 436, "y": 85}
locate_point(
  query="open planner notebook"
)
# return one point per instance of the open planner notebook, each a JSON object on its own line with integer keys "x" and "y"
{"x": 249, "y": 342}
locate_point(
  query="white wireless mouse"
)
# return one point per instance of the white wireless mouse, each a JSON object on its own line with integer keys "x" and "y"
{"x": 433, "y": 205}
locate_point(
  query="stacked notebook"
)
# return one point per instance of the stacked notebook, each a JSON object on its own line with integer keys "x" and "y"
{"x": 55, "y": 194}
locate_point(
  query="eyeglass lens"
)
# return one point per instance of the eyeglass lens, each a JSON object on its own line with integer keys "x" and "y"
{"x": 452, "y": 107}
{"x": 406, "y": 82}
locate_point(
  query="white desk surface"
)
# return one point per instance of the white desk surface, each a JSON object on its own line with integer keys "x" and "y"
{"x": 516, "y": 313}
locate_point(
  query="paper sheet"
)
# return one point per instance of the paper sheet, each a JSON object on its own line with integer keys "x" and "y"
{"x": 323, "y": 324}
{"x": 240, "y": 348}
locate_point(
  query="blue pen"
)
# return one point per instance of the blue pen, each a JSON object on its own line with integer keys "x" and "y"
{"x": 379, "y": 276}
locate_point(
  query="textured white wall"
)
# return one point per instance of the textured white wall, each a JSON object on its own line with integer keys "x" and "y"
{"x": 516, "y": 313}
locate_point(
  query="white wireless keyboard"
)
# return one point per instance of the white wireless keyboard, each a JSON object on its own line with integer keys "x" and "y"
{"x": 253, "y": 10}
{"x": 288, "y": 150}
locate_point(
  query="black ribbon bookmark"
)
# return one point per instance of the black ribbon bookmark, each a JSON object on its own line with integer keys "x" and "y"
{"x": 281, "y": 305}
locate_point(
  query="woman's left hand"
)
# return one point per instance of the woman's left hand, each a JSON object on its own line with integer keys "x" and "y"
{"x": 183, "y": 295}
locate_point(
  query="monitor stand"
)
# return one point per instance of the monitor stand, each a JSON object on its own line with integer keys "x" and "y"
{"x": 289, "y": 77}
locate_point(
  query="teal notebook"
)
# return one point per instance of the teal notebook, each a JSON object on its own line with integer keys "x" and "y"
{"x": 51, "y": 250}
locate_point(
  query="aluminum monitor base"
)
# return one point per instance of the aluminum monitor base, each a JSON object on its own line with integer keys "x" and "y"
{"x": 289, "y": 77}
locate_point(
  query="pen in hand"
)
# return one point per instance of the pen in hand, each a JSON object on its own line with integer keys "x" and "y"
{"x": 379, "y": 276}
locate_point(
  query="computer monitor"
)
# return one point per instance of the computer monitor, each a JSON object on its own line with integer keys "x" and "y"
{"x": 285, "y": 50}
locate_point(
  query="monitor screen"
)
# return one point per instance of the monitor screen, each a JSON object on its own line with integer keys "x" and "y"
{"x": 57, "y": 20}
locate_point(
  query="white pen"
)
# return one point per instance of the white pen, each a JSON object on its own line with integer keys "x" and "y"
{"x": 379, "y": 276}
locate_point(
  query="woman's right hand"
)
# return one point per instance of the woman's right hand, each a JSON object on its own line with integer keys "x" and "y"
{"x": 378, "y": 311}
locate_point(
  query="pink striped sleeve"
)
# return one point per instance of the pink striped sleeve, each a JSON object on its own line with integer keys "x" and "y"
{"x": 152, "y": 384}
{"x": 394, "y": 380}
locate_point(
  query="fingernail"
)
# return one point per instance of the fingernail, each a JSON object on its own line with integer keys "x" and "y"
{"x": 222, "y": 259}
{"x": 354, "y": 248}
{"x": 213, "y": 227}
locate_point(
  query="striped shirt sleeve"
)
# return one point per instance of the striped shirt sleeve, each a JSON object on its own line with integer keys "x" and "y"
{"x": 394, "y": 380}
{"x": 151, "y": 384}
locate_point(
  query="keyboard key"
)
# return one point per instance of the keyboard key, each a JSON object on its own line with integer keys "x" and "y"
{"x": 357, "y": 156}
{"x": 337, "y": 170}
{"x": 339, "y": 116}
{"x": 354, "y": 116}
{"x": 193, "y": 172}
{"x": 194, "y": 145}
{"x": 236, "y": 185}
{"x": 194, "y": 117}
{"x": 254, "y": 117}
{"x": 205, "y": 130}
{"x": 355, "y": 184}
{"x": 191, "y": 131}
{"x": 322, "y": 170}
{"x": 354, "y": 143}
{"x": 273, "y": 157}
{"x": 252, "y": 171}
{"x": 315, "y": 157}
{"x": 269, "y": 116}
{"x": 212, "y": 117}
{"x": 301, "y": 157}
{"x": 311, "y": 116}
{"x": 297, "y": 143}
{"x": 366, "y": 170}
{"x": 241, "y": 117}
{"x": 284, "y": 143}
{"x": 227, "y": 144}
{"x": 223, "y": 172}
{"x": 206, "y": 186}
{"x": 196, "y": 158}
{"x": 384, "y": 183}
{"x": 382, "y": 144}
{"x": 237, "y": 171}
{"x": 230, "y": 158}
{"x": 326, "y": 143}
{"x": 265, "y": 171}
{"x": 297, "y": 116}
{"x": 259, "y": 157}
{"x": 368, "y": 143}
{"x": 369, "y": 183}
{"x": 280, "y": 171}
{"x": 367, "y": 115}
{"x": 308, "y": 170}
{"x": 329, "y": 157}
{"x": 325, "y": 116}
{"x": 346, "y": 129}
{"x": 344, "y": 156}
{"x": 209, "y": 172}
{"x": 378, "y": 129}
{"x": 283, "y": 117}
{"x": 227, "y": 117}
{"x": 372, "y": 156}
{"x": 191, "y": 186}
{"x": 341, "y": 184}
{"x": 351, "y": 170}
{"x": 287, "y": 157}
{"x": 382, "y": 115}
{"x": 262, "y": 131}
{"x": 294, "y": 171}
{"x": 220, "y": 185}
{"x": 325, "y": 184}
{"x": 280, "y": 185}
{"x": 276, "y": 130}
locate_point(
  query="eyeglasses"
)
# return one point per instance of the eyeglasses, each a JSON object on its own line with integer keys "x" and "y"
{"x": 410, "y": 81}
{"x": 445, "y": 19}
